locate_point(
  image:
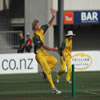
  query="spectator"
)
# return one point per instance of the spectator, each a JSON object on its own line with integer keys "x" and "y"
{"x": 21, "y": 43}
{"x": 28, "y": 43}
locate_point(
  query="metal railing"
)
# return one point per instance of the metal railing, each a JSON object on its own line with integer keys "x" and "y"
{"x": 9, "y": 41}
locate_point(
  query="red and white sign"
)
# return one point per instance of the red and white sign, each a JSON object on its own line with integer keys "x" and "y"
{"x": 68, "y": 17}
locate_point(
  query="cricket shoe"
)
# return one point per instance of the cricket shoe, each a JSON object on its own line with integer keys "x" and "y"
{"x": 57, "y": 80}
{"x": 56, "y": 91}
{"x": 69, "y": 82}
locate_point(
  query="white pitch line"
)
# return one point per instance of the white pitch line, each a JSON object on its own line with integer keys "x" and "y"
{"x": 90, "y": 92}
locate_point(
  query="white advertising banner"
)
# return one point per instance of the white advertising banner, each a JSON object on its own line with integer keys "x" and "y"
{"x": 26, "y": 63}
{"x": 18, "y": 63}
{"x": 86, "y": 60}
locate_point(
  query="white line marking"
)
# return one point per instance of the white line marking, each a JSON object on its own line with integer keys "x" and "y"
{"x": 90, "y": 92}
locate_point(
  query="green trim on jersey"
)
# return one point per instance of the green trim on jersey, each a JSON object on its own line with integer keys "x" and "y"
{"x": 44, "y": 27}
{"x": 62, "y": 47}
{"x": 37, "y": 42}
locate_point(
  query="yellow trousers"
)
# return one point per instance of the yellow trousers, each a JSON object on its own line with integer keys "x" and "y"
{"x": 47, "y": 62}
{"x": 63, "y": 68}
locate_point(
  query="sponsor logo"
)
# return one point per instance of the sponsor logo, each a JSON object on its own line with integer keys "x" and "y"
{"x": 12, "y": 64}
{"x": 68, "y": 17}
{"x": 90, "y": 17}
{"x": 18, "y": 63}
{"x": 81, "y": 61}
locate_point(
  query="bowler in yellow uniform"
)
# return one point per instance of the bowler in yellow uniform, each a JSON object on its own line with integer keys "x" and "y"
{"x": 65, "y": 57}
{"x": 46, "y": 60}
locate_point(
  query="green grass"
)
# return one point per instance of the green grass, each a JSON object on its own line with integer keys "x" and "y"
{"x": 33, "y": 87}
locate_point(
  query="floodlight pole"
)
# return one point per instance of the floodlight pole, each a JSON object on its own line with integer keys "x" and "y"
{"x": 61, "y": 21}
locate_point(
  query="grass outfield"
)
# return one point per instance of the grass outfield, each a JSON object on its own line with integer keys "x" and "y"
{"x": 33, "y": 87}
